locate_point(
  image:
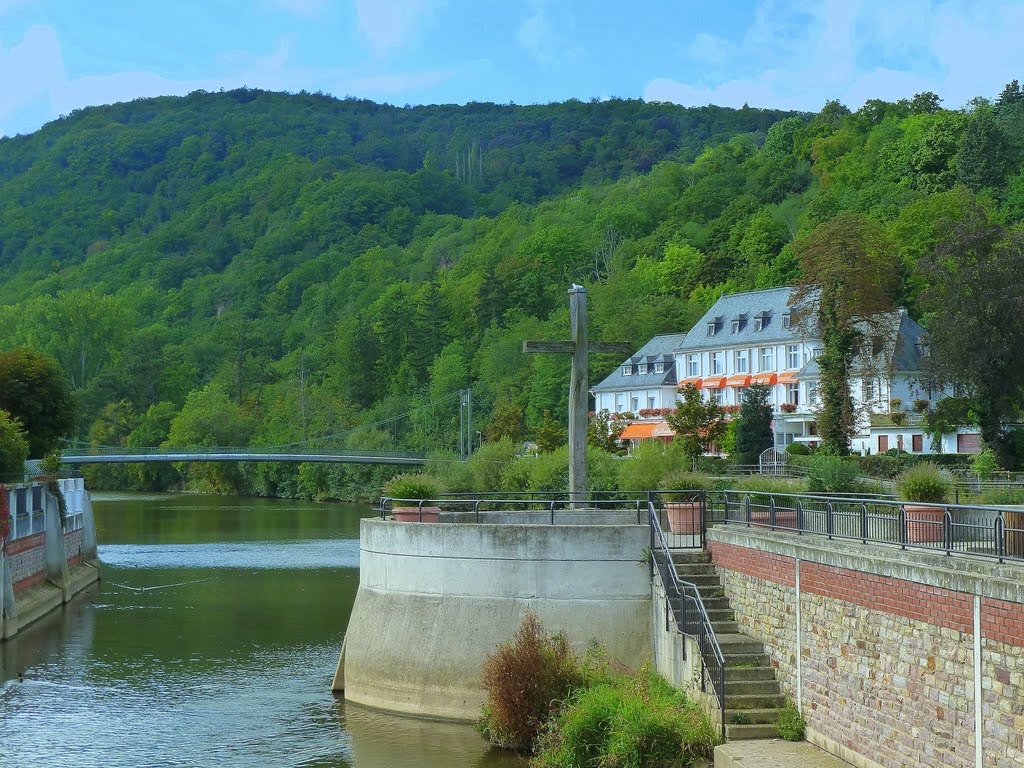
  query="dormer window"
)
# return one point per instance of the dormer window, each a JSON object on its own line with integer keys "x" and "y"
{"x": 923, "y": 347}
{"x": 787, "y": 320}
{"x": 739, "y": 323}
{"x": 714, "y": 325}
{"x": 642, "y": 369}
{"x": 627, "y": 370}
{"x": 711, "y": 329}
{"x": 761, "y": 320}
{"x": 659, "y": 367}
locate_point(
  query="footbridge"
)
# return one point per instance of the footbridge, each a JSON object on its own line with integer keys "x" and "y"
{"x": 120, "y": 455}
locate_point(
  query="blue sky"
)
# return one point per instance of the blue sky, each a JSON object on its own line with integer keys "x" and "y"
{"x": 58, "y": 55}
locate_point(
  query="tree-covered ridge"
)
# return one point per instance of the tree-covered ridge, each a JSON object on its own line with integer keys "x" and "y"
{"x": 269, "y": 285}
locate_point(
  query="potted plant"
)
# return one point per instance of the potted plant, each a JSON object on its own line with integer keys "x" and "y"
{"x": 683, "y": 501}
{"x": 921, "y": 406}
{"x": 762, "y": 499}
{"x": 788, "y": 407}
{"x": 411, "y": 492}
{"x": 925, "y": 485}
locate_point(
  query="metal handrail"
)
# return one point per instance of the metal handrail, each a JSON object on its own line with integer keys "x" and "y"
{"x": 978, "y": 530}
{"x": 712, "y": 658}
{"x": 500, "y": 504}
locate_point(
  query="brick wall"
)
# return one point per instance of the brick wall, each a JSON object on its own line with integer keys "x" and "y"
{"x": 887, "y": 645}
{"x": 27, "y": 558}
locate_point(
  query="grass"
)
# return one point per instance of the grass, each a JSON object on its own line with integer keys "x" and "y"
{"x": 791, "y": 724}
{"x": 627, "y": 722}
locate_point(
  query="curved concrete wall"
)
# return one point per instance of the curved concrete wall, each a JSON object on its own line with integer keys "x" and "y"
{"x": 434, "y": 601}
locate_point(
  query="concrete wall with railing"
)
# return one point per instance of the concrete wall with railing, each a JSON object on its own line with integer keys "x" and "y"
{"x": 435, "y": 599}
{"x": 894, "y": 657}
{"x": 46, "y": 559}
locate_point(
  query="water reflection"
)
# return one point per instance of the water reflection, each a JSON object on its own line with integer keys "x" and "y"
{"x": 211, "y": 641}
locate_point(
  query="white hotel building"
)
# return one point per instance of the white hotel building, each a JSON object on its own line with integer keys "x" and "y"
{"x": 751, "y": 338}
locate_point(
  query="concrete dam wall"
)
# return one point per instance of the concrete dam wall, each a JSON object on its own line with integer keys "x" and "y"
{"x": 435, "y": 599}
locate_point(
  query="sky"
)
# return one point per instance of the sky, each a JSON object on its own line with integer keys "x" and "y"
{"x": 59, "y": 55}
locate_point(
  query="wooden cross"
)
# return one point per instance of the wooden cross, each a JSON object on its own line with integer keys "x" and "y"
{"x": 578, "y": 389}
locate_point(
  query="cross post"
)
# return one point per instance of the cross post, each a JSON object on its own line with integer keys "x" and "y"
{"x": 579, "y": 348}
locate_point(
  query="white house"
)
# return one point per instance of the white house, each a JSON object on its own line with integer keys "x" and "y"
{"x": 752, "y": 338}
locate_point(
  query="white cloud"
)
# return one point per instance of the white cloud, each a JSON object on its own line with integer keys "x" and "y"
{"x": 392, "y": 83}
{"x": 710, "y": 48}
{"x": 307, "y": 8}
{"x": 798, "y": 55}
{"x": 38, "y": 53}
{"x": 388, "y": 24}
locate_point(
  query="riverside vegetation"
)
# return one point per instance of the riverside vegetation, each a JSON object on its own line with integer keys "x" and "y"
{"x": 567, "y": 711}
{"x": 251, "y": 268}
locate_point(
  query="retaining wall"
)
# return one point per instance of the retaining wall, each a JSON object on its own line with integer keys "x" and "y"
{"x": 435, "y": 599}
{"x": 895, "y": 658}
{"x": 41, "y": 571}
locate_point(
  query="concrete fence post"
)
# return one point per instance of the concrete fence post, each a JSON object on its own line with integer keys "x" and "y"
{"x": 88, "y": 528}
{"x": 56, "y": 553}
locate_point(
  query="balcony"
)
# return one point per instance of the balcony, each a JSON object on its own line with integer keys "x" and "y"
{"x": 909, "y": 419}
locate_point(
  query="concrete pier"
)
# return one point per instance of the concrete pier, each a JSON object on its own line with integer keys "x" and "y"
{"x": 435, "y": 599}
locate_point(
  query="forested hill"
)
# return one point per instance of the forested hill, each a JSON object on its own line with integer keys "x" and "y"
{"x": 249, "y": 266}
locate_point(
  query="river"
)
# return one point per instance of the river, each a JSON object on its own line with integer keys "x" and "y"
{"x": 210, "y": 643}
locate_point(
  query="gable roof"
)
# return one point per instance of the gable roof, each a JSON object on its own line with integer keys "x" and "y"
{"x": 769, "y": 304}
{"x": 658, "y": 349}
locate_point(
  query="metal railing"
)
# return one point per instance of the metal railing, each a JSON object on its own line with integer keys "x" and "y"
{"x": 543, "y": 507}
{"x": 684, "y": 603}
{"x": 78, "y": 450}
{"x": 980, "y": 530}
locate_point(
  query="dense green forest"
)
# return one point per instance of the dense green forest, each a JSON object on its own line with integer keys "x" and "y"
{"x": 250, "y": 267}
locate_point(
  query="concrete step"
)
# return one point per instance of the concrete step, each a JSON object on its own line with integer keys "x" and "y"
{"x": 745, "y": 659}
{"x": 746, "y": 701}
{"x": 734, "y": 732}
{"x": 724, "y": 627}
{"x": 734, "y": 642}
{"x": 734, "y": 687}
{"x": 692, "y": 567}
{"x": 752, "y": 716}
{"x": 773, "y": 752}
{"x": 683, "y": 558}
{"x": 720, "y": 614}
{"x": 715, "y": 603}
{"x": 749, "y": 673}
{"x": 701, "y": 580}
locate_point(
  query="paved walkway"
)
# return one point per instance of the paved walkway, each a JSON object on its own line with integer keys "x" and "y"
{"x": 774, "y": 754}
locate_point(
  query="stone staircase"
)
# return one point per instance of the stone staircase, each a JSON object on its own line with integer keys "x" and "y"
{"x": 753, "y": 699}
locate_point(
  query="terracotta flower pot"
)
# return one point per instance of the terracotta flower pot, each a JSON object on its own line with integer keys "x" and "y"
{"x": 412, "y": 514}
{"x": 925, "y": 524}
{"x": 784, "y": 518}
{"x": 1014, "y": 537}
{"x": 683, "y": 516}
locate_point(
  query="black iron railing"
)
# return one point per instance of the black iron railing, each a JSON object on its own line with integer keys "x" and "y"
{"x": 984, "y": 531}
{"x": 684, "y": 604}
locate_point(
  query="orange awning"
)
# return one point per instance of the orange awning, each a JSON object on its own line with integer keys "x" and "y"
{"x": 695, "y": 380}
{"x": 714, "y": 382}
{"x": 764, "y": 378}
{"x": 789, "y": 377}
{"x": 638, "y": 431}
{"x": 738, "y": 380}
{"x": 662, "y": 429}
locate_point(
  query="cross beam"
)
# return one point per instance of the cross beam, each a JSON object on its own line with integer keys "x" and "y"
{"x": 579, "y": 348}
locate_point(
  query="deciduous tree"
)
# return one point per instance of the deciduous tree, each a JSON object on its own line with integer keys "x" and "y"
{"x": 34, "y": 390}
{"x": 849, "y": 279}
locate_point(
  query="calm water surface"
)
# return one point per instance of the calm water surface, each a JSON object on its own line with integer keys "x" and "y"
{"x": 212, "y": 641}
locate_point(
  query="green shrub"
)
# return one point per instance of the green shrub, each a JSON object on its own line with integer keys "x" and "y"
{"x": 1001, "y": 496}
{"x": 832, "y": 474}
{"x": 886, "y": 467}
{"x": 455, "y": 475}
{"x": 527, "y": 680}
{"x": 651, "y": 461}
{"x": 13, "y": 445}
{"x": 797, "y": 449}
{"x": 630, "y": 721}
{"x": 488, "y": 464}
{"x": 924, "y": 483}
{"x": 414, "y": 487}
{"x": 686, "y": 481}
{"x": 985, "y": 464}
{"x": 768, "y": 484}
{"x": 741, "y": 459}
{"x": 791, "y": 724}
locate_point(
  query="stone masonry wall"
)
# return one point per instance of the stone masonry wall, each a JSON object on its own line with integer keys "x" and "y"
{"x": 27, "y": 558}
{"x": 887, "y": 671}
{"x": 73, "y": 546}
